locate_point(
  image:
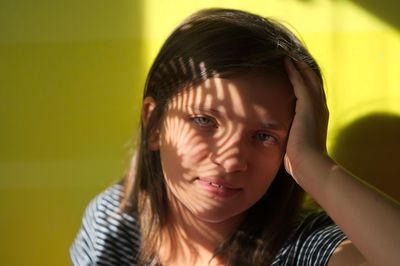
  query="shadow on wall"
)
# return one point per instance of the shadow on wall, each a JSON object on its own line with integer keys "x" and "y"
{"x": 370, "y": 149}
{"x": 386, "y": 10}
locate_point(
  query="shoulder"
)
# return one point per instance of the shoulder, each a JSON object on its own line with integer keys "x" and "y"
{"x": 107, "y": 234}
{"x": 314, "y": 238}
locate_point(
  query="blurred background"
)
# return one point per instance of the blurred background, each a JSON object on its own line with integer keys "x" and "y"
{"x": 71, "y": 78}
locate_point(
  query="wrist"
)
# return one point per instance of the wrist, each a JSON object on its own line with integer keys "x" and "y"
{"x": 313, "y": 171}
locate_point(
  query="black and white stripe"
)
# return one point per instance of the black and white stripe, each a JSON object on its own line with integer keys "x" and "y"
{"x": 110, "y": 237}
{"x": 312, "y": 243}
{"x": 107, "y": 236}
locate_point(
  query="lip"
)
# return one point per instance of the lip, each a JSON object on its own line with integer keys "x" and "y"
{"x": 218, "y": 187}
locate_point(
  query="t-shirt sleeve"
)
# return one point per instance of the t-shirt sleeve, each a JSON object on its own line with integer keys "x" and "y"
{"x": 107, "y": 236}
{"x": 312, "y": 243}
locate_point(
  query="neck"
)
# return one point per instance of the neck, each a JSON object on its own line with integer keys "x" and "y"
{"x": 188, "y": 240}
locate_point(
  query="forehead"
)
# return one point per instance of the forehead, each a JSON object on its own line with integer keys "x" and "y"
{"x": 237, "y": 92}
{"x": 244, "y": 99}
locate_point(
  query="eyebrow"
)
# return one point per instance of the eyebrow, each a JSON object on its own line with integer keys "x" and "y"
{"x": 203, "y": 108}
{"x": 274, "y": 126}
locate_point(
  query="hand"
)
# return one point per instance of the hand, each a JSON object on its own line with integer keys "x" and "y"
{"x": 307, "y": 136}
{"x": 359, "y": 210}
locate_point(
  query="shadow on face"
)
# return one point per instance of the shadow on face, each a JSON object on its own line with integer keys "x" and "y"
{"x": 222, "y": 142}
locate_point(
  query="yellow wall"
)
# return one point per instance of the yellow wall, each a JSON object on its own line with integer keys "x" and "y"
{"x": 71, "y": 74}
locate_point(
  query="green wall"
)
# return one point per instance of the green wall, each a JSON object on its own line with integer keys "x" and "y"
{"x": 71, "y": 75}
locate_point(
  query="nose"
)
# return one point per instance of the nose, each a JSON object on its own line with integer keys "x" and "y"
{"x": 231, "y": 154}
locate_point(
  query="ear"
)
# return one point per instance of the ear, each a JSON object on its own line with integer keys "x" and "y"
{"x": 147, "y": 109}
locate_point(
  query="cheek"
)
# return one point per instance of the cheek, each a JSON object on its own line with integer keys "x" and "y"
{"x": 181, "y": 149}
{"x": 196, "y": 153}
{"x": 269, "y": 164}
{"x": 266, "y": 174}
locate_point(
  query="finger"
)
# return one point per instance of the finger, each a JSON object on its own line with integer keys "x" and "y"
{"x": 311, "y": 78}
{"x": 309, "y": 75}
{"x": 299, "y": 86}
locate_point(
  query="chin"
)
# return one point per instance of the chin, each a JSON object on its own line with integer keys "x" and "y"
{"x": 218, "y": 216}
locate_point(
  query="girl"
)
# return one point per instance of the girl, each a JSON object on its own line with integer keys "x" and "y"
{"x": 233, "y": 132}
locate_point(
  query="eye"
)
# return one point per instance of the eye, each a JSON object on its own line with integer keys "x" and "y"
{"x": 204, "y": 121}
{"x": 265, "y": 137}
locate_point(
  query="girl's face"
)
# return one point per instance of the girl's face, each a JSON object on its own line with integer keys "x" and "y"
{"x": 221, "y": 143}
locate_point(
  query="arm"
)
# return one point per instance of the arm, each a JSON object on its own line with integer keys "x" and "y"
{"x": 370, "y": 220}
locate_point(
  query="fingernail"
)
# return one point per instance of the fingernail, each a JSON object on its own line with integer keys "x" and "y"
{"x": 289, "y": 60}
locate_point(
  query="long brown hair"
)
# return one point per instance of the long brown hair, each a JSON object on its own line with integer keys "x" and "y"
{"x": 208, "y": 43}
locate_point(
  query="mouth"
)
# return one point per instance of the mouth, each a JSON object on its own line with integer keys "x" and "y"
{"x": 217, "y": 182}
{"x": 218, "y": 187}
{"x": 215, "y": 185}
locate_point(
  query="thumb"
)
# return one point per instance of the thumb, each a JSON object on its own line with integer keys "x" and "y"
{"x": 288, "y": 166}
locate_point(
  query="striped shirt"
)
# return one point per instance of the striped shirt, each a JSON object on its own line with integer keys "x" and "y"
{"x": 111, "y": 237}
